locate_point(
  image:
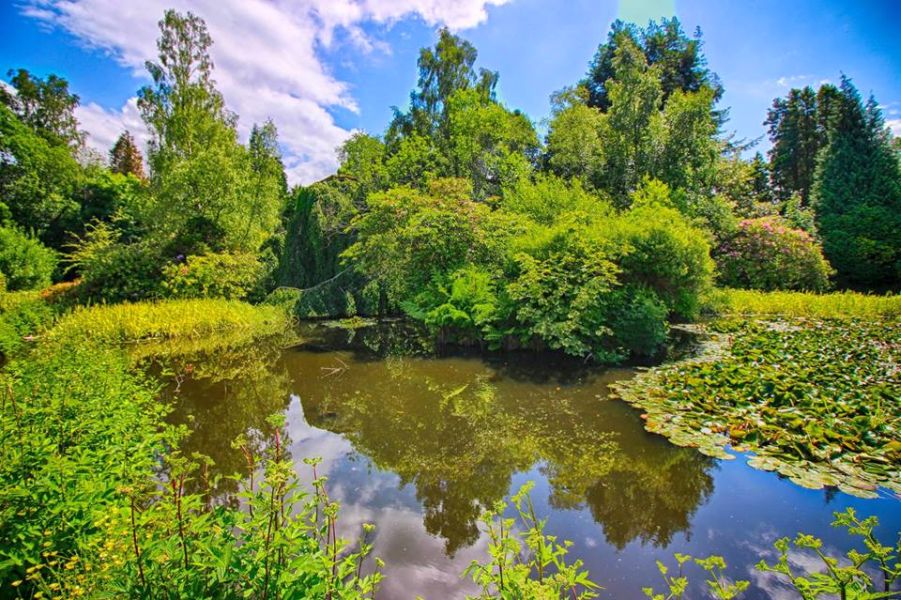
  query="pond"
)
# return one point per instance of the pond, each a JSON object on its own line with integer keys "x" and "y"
{"x": 419, "y": 443}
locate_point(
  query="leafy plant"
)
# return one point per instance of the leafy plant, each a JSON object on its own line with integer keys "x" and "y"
{"x": 25, "y": 263}
{"x": 848, "y": 579}
{"x": 223, "y": 275}
{"x": 814, "y": 400}
{"x": 530, "y": 564}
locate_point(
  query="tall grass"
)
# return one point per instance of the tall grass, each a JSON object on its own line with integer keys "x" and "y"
{"x": 803, "y": 304}
{"x": 165, "y": 320}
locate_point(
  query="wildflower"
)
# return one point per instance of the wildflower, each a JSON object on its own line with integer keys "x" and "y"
{"x": 17, "y": 583}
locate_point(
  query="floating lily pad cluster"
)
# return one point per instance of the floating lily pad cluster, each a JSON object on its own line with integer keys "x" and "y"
{"x": 818, "y": 401}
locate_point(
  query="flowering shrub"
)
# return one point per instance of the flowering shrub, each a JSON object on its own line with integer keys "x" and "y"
{"x": 766, "y": 254}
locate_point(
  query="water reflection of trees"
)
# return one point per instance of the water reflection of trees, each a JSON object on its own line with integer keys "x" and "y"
{"x": 457, "y": 431}
{"x": 221, "y": 392}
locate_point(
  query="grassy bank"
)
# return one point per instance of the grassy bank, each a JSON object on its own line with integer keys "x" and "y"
{"x": 166, "y": 320}
{"x": 839, "y": 305}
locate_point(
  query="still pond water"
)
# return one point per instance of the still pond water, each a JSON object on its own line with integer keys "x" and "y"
{"x": 418, "y": 445}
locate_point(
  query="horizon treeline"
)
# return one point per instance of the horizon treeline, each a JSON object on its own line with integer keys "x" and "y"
{"x": 589, "y": 239}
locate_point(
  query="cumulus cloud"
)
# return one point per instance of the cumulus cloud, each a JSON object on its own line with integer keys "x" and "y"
{"x": 789, "y": 80}
{"x": 266, "y": 57}
{"x": 895, "y": 126}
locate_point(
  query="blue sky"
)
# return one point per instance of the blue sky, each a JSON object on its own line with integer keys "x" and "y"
{"x": 321, "y": 68}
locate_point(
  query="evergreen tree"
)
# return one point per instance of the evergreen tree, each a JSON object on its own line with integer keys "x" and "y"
{"x": 125, "y": 158}
{"x": 681, "y": 64}
{"x": 794, "y": 128}
{"x": 857, "y": 195}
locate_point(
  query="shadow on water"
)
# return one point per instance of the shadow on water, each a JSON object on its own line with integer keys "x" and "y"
{"x": 421, "y": 442}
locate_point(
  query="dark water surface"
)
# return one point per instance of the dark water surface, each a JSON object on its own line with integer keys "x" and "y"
{"x": 419, "y": 445}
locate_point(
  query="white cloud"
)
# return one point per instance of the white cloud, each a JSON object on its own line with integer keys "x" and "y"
{"x": 265, "y": 53}
{"x": 105, "y": 126}
{"x": 789, "y": 80}
{"x": 895, "y": 126}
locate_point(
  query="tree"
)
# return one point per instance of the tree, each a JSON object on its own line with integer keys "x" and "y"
{"x": 443, "y": 71}
{"x": 574, "y": 148}
{"x": 45, "y": 105}
{"x": 38, "y": 181}
{"x": 633, "y": 125}
{"x": 125, "y": 158}
{"x": 795, "y": 128}
{"x": 857, "y": 194}
{"x": 682, "y": 65}
{"x": 202, "y": 179}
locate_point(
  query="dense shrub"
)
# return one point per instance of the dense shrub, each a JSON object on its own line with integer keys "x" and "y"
{"x": 111, "y": 271}
{"x": 461, "y": 307}
{"x": 552, "y": 266}
{"x": 220, "y": 275}
{"x": 766, "y": 254}
{"x": 561, "y": 295}
{"x": 663, "y": 252}
{"x": 24, "y": 262}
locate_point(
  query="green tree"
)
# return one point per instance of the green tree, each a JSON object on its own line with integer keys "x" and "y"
{"x": 38, "y": 181}
{"x": 443, "y": 71}
{"x": 45, "y": 105}
{"x": 488, "y": 144}
{"x": 574, "y": 148}
{"x": 202, "y": 179}
{"x": 682, "y": 64}
{"x": 362, "y": 159}
{"x": 794, "y": 127}
{"x": 857, "y": 195}
{"x": 125, "y": 158}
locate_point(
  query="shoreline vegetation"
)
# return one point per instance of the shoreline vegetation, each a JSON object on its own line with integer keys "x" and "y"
{"x": 633, "y": 213}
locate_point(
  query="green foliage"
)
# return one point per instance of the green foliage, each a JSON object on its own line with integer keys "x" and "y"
{"x": 839, "y": 305}
{"x": 718, "y": 585}
{"x": 663, "y": 251}
{"x": 92, "y": 514}
{"x": 767, "y": 255}
{"x": 857, "y": 577}
{"x": 75, "y": 427}
{"x": 814, "y": 400}
{"x": 530, "y": 564}
{"x": 558, "y": 294}
{"x": 526, "y": 563}
{"x": 114, "y": 272}
{"x": 26, "y": 264}
{"x": 462, "y": 308}
{"x": 405, "y": 237}
{"x": 680, "y": 63}
{"x": 554, "y": 266}
{"x": 798, "y": 127}
{"x": 225, "y": 275}
{"x": 21, "y": 314}
{"x": 38, "y": 181}
{"x": 46, "y": 106}
{"x": 857, "y": 195}
{"x": 210, "y": 192}
{"x": 362, "y": 160}
{"x": 487, "y": 144}
{"x": 122, "y": 323}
